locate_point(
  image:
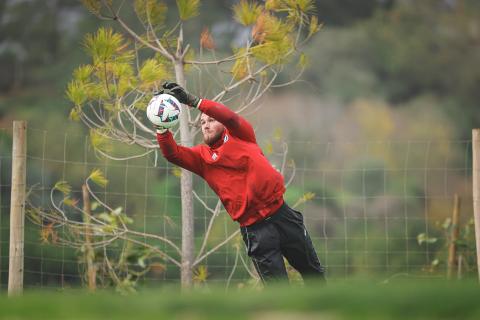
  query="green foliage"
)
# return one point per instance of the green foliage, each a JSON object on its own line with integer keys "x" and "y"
{"x": 298, "y": 9}
{"x": 125, "y": 80}
{"x": 200, "y": 275}
{"x": 106, "y": 45}
{"x": 120, "y": 264}
{"x": 465, "y": 247}
{"x": 83, "y": 73}
{"x": 63, "y": 187}
{"x": 177, "y": 172}
{"x": 247, "y": 12}
{"x": 76, "y": 92}
{"x": 99, "y": 140}
{"x": 94, "y": 6}
{"x": 274, "y": 39}
{"x": 110, "y": 75}
{"x": 242, "y": 64}
{"x": 80, "y": 88}
{"x": 152, "y": 73}
{"x": 314, "y": 27}
{"x": 304, "y": 198}
{"x": 304, "y": 6}
{"x": 273, "y": 52}
{"x": 273, "y": 34}
{"x": 423, "y": 238}
{"x": 303, "y": 61}
{"x": 187, "y": 9}
{"x": 273, "y": 4}
{"x": 270, "y": 28}
{"x": 151, "y": 12}
{"x": 98, "y": 178}
{"x": 114, "y": 218}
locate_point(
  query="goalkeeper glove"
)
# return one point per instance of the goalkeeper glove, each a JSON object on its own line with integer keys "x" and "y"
{"x": 181, "y": 94}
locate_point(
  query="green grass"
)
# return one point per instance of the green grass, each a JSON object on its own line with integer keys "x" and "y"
{"x": 366, "y": 299}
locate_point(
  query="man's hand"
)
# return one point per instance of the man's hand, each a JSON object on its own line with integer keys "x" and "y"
{"x": 181, "y": 94}
{"x": 160, "y": 129}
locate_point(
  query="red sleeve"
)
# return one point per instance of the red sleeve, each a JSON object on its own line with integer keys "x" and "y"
{"x": 236, "y": 125}
{"x": 187, "y": 158}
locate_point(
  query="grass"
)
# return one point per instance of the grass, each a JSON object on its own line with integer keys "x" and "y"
{"x": 354, "y": 299}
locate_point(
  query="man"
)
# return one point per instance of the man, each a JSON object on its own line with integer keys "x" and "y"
{"x": 250, "y": 189}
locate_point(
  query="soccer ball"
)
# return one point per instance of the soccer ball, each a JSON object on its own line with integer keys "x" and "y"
{"x": 164, "y": 110}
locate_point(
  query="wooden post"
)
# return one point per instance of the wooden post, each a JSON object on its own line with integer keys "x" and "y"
{"x": 476, "y": 190}
{"x": 17, "y": 209}
{"x": 89, "y": 253}
{"x": 452, "y": 247}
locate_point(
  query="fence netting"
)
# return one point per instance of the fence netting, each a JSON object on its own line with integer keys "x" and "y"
{"x": 379, "y": 208}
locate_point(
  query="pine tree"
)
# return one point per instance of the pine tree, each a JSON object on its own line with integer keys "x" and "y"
{"x": 110, "y": 94}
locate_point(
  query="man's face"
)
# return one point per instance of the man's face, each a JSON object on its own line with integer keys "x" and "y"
{"x": 212, "y": 129}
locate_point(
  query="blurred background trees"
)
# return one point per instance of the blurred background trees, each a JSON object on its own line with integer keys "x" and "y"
{"x": 398, "y": 51}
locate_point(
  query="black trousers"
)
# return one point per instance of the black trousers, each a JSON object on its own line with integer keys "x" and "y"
{"x": 282, "y": 235}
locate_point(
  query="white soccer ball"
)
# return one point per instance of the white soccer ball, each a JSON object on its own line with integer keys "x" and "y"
{"x": 164, "y": 110}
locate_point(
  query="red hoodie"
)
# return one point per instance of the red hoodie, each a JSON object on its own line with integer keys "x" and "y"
{"x": 235, "y": 167}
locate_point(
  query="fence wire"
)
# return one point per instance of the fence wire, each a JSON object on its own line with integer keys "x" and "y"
{"x": 377, "y": 208}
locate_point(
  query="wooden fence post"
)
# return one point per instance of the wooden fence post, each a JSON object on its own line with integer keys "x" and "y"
{"x": 17, "y": 209}
{"x": 476, "y": 190}
{"x": 452, "y": 246}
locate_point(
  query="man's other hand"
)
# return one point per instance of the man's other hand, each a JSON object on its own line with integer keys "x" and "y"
{"x": 160, "y": 129}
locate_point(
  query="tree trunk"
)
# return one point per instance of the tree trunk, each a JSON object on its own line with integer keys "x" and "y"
{"x": 186, "y": 191}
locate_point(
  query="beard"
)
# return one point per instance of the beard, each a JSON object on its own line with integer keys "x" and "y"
{"x": 212, "y": 139}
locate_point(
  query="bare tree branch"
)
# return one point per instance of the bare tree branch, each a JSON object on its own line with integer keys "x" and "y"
{"x": 198, "y": 260}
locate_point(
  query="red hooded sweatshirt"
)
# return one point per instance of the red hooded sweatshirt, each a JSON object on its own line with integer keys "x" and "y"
{"x": 235, "y": 167}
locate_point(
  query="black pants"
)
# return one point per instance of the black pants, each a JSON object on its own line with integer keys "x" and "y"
{"x": 282, "y": 235}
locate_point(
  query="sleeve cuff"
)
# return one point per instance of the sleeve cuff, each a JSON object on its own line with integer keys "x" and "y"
{"x": 198, "y": 103}
{"x": 162, "y": 131}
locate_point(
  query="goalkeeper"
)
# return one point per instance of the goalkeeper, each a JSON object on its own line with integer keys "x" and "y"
{"x": 250, "y": 189}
